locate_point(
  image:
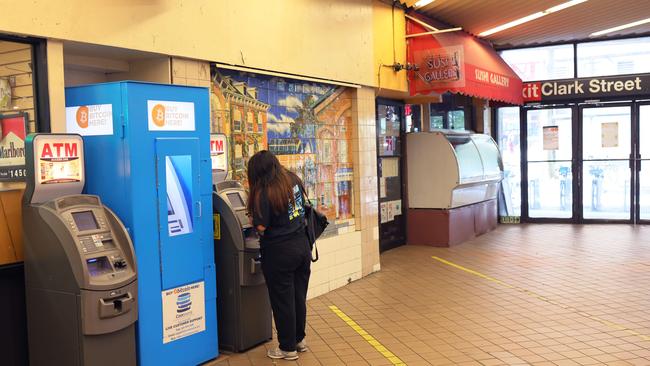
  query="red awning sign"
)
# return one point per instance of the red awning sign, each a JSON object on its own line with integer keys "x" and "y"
{"x": 459, "y": 63}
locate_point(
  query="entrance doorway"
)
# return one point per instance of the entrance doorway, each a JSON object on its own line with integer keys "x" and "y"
{"x": 582, "y": 162}
{"x": 549, "y": 163}
{"x": 607, "y": 162}
{"x": 390, "y": 129}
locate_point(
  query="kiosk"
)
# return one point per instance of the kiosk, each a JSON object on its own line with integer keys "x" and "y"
{"x": 453, "y": 180}
{"x": 243, "y": 306}
{"x": 148, "y": 145}
{"x": 80, "y": 268}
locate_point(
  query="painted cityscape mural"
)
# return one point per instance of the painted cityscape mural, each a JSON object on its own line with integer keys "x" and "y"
{"x": 306, "y": 125}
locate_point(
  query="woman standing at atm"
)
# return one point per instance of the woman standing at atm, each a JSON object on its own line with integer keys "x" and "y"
{"x": 275, "y": 205}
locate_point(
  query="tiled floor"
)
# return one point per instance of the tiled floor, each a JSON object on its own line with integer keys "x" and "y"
{"x": 523, "y": 294}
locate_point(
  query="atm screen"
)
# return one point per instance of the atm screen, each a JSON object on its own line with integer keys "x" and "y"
{"x": 85, "y": 220}
{"x": 235, "y": 200}
{"x": 98, "y": 266}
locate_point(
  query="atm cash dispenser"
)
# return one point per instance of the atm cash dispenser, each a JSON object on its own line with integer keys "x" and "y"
{"x": 243, "y": 307}
{"x": 80, "y": 271}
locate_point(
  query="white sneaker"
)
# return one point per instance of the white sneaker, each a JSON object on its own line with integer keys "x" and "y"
{"x": 277, "y": 354}
{"x": 302, "y": 346}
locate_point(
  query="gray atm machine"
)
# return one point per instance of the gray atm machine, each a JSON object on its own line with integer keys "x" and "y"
{"x": 80, "y": 269}
{"x": 243, "y": 307}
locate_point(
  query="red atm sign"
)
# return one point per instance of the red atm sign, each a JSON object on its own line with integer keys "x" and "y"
{"x": 60, "y": 150}
{"x": 58, "y": 159}
{"x": 587, "y": 88}
{"x": 217, "y": 146}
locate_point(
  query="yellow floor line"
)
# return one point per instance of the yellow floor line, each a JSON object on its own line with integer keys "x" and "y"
{"x": 370, "y": 339}
{"x": 546, "y": 299}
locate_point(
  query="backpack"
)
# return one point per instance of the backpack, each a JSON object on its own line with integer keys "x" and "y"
{"x": 315, "y": 223}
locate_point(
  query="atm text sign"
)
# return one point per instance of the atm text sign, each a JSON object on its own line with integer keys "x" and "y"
{"x": 58, "y": 159}
{"x": 216, "y": 146}
{"x": 586, "y": 88}
{"x": 60, "y": 150}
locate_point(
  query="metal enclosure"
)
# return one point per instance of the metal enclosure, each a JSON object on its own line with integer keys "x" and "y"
{"x": 244, "y": 309}
{"x": 451, "y": 169}
{"x": 151, "y": 164}
{"x": 80, "y": 267}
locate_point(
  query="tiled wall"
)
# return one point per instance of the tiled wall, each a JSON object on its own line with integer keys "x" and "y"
{"x": 339, "y": 263}
{"x": 365, "y": 179}
{"x": 354, "y": 252}
{"x": 350, "y": 256}
{"x": 306, "y": 124}
{"x": 190, "y": 72}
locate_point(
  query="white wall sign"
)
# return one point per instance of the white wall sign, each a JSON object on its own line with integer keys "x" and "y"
{"x": 551, "y": 140}
{"x": 89, "y": 120}
{"x": 170, "y": 116}
{"x": 183, "y": 311}
{"x": 218, "y": 154}
{"x": 609, "y": 134}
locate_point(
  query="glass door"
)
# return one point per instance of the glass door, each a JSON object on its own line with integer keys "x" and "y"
{"x": 508, "y": 127}
{"x": 606, "y": 163}
{"x": 390, "y": 118}
{"x": 549, "y": 163}
{"x": 643, "y": 164}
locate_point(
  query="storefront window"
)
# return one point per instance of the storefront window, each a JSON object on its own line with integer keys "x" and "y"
{"x": 436, "y": 121}
{"x": 618, "y": 57}
{"x": 19, "y": 107}
{"x": 413, "y": 117}
{"x": 17, "y": 110}
{"x": 541, "y": 63}
{"x": 456, "y": 119}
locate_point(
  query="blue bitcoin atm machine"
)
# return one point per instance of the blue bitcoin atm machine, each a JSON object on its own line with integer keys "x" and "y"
{"x": 148, "y": 158}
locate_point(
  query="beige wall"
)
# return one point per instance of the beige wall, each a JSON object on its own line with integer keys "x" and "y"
{"x": 389, "y": 47}
{"x": 329, "y": 39}
{"x": 56, "y": 85}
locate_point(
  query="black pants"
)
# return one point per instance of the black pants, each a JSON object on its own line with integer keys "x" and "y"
{"x": 286, "y": 266}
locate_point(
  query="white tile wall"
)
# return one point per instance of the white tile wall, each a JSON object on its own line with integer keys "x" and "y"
{"x": 339, "y": 263}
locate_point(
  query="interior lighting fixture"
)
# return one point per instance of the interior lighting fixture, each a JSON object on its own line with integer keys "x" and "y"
{"x": 531, "y": 17}
{"x": 620, "y": 27}
{"x": 421, "y": 3}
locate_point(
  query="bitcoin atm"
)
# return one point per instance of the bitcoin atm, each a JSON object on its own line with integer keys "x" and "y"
{"x": 243, "y": 306}
{"x": 148, "y": 151}
{"x": 80, "y": 268}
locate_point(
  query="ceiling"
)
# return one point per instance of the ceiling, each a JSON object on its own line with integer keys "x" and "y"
{"x": 571, "y": 24}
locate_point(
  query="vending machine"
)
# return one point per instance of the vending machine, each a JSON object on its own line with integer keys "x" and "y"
{"x": 148, "y": 154}
{"x": 80, "y": 267}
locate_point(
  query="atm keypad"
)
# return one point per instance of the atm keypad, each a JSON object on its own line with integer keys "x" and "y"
{"x": 96, "y": 242}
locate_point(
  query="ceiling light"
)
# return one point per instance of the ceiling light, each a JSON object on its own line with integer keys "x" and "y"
{"x": 421, "y": 3}
{"x": 530, "y": 17}
{"x": 620, "y": 27}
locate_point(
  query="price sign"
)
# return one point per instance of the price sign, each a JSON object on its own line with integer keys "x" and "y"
{"x": 13, "y": 129}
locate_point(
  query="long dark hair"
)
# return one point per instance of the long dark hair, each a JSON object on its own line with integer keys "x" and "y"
{"x": 266, "y": 174}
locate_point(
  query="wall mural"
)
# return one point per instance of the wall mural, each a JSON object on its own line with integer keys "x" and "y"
{"x": 306, "y": 125}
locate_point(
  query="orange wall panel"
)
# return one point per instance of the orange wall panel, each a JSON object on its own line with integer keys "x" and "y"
{"x": 11, "y": 228}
